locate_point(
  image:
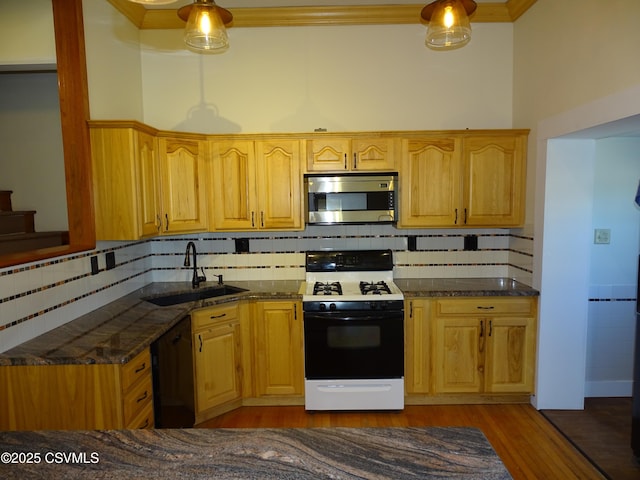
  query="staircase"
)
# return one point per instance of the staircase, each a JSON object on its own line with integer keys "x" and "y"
{"x": 17, "y": 232}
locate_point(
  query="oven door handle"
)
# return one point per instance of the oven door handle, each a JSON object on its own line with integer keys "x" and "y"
{"x": 344, "y": 317}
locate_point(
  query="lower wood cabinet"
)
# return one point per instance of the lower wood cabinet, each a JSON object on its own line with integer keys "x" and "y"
{"x": 217, "y": 359}
{"x": 77, "y": 397}
{"x": 484, "y": 345}
{"x": 278, "y": 340}
{"x": 417, "y": 346}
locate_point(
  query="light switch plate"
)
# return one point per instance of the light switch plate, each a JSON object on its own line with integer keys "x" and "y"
{"x": 602, "y": 236}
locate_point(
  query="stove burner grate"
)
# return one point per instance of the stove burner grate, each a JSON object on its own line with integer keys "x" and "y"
{"x": 327, "y": 288}
{"x": 374, "y": 288}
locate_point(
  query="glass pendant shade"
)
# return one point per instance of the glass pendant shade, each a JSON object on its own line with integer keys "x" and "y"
{"x": 449, "y": 26}
{"x": 205, "y": 29}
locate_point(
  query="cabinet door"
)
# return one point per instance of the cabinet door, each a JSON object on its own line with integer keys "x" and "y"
{"x": 494, "y": 180}
{"x": 279, "y": 182}
{"x": 216, "y": 365}
{"x": 233, "y": 198}
{"x": 459, "y": 355}
{"x": 182, "y": 175}
{"x": 328, "y": 154}
{"x": 371, "y": 154}
{"x": 510, "y": 363}
{"x": 115, "y": 187}
{"x": 149, "y": 207}
{"x": 279, "y": 359}
{"x": 430, "y": 183}
{"x": 417, "y": 346}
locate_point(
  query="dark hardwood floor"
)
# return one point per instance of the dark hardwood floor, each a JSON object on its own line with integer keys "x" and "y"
{"x": 602, "y": 431}
{"x": 528, "y": 444}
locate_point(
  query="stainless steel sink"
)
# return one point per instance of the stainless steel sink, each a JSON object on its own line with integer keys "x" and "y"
{"x": 193, "y": 295}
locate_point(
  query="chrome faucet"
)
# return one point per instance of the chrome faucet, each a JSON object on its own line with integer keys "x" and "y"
{"x": 195, "y": 282}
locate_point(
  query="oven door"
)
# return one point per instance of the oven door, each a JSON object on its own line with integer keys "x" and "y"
{"x": 353, "y": 345}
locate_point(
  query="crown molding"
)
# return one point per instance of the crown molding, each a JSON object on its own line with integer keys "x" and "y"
{"x": 153, "y": 19}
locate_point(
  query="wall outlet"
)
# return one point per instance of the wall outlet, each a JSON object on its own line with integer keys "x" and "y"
{"x": 471, "y": 243}
{"x": 242, "y": 245}
{"x": 110, "y": 259}
{"x": 94, "y": 265}
{"x": 602, "y": 236}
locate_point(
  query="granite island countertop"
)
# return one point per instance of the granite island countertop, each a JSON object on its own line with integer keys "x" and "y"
{"x": 287, "y": 453}
{"x": 119, "y": 330}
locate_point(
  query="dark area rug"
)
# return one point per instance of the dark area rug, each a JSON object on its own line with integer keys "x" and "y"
{"x": 602, "y": 432}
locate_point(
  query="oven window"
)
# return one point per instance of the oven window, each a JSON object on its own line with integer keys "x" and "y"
{"x": 353, "y": 337}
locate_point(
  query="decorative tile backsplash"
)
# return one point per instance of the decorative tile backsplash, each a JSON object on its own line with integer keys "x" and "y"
{"x": 38, "y": 297}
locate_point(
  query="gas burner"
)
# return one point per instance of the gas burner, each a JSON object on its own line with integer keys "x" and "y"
{"x": 327, "y": 288}
{"x": 375, "y": 288}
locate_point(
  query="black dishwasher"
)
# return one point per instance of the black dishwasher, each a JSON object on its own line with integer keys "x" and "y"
{"x": 172, "y": 372}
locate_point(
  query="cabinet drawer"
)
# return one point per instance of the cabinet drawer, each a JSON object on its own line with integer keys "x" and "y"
{"x": 138, "y": 398}
{"x": 486, "y": 306}
{"x": 144, "y": 420}
{"x": 137, "y": 368}
{"x": 206, "y": 317}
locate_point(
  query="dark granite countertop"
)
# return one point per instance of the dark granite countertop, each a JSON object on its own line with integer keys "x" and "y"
{"x": 288, "y": 453}
{"x": 463, "y": 287}
{"x": 116, "y": 332}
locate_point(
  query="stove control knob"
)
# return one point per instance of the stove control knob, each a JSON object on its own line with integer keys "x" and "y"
{"x": 332, "y": 307}
{"x": 322, "y": 307}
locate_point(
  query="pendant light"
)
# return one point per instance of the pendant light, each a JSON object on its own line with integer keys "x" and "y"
{"x": 449, "y": 26}
{"x": 205, "y": 30}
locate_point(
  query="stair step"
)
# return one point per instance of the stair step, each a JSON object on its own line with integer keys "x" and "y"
{"x": 24, "y": 242}
{"x": 16, "y": 222}
{"x": 5, "y": 200}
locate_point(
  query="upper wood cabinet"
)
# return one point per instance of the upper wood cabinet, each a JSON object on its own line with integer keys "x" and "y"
{"x": 466, "y": 180}
{"x": 256, "y": 185}
{"x": 430, "y": 182}
{"x": 146, "y": 185}
{"x": 182, "y": 180}
{"x": 339, "y": 154}
{"x": 494, "y": 180}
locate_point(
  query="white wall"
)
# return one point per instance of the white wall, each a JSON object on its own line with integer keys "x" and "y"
{"x": 613, "y": 272}
{"x": 566, "y": 79}
{"x": 32, "y": 159}
{"x": 292, "y": 79}
{"x": 26, "y": 36}
{"x": 113, "y": 63}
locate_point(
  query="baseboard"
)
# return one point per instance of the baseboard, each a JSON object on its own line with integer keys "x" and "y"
{"x": 610, "y": 388}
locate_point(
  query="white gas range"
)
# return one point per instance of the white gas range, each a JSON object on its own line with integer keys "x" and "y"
{"x": 353, "y": 330}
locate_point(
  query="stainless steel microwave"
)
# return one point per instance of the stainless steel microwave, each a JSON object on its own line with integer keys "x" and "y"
{"x": 351, "y": 198}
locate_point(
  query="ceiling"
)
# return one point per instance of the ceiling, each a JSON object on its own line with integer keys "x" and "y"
{"x": 265, "y": 13}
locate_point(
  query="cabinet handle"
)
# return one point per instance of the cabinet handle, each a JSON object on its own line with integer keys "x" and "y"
{"x": 481, "y": 328}
{"x": 295, "y": 311}
{"x": 145, "y": 424}
{"x": 355, "y": 164}
{"x": 141, "y": 368}
{"x": 142, "y": 397}
{"x": 345, "y": 161}
{"x": 490, "y": 327}
{"x": 465, "y": 216}
{"x": 455, "y": 220}
{"x": 262, "y": 219}
{"x": 200, "y": 338}
{"x": 166, "y": 218}
{"x": 159, "y": 222}
{"x": 218, "y": 316}
{"x": 410, "y": 309}
{"x": 253, "y": 223}
{"x": 481, "y": 307}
